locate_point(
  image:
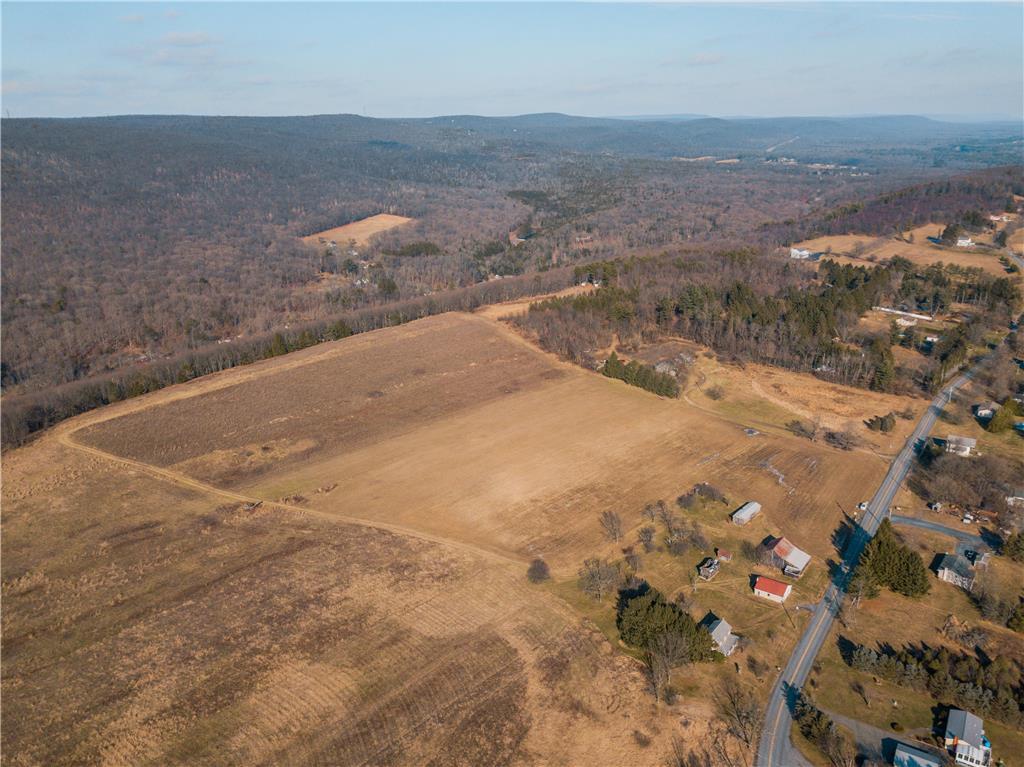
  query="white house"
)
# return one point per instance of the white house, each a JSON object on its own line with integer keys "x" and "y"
{"x": 960, "y": 445}
{"x": 956, "y": 569}
{"x": 965, "y": 739}
{"x": 769, "y": 588}
{"x": 801, "y": 253}
{"x": 746, "y": 512}
{"x": 1016, "y": 498}
{"x": 721, "y": 633}
{"x": 964, "y": 241}
{"x": 986, "y": 410}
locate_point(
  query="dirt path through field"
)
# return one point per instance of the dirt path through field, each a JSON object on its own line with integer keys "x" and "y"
{"x": 65, "y": 438}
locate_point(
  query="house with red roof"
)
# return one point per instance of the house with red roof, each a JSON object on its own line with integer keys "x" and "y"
{"x": 769, "y": 588}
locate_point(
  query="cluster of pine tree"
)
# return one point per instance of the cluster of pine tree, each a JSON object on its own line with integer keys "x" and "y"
{"x": 1006, "y": 416}
{"x": 990, "y": 689}
{"x": 887, "y": 562}
{"x": 644, "y": 617}
{"x": 818, "y": 728}
{"x": 637, "y": 374}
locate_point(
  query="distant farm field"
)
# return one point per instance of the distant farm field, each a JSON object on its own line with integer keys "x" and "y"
{"x": 358, "y": 231}
{"x": 373, "y": 609}
{"x": 864, "y": 249}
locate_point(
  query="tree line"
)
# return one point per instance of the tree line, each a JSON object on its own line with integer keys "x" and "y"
{"x": 27, "y": 414}
{"x": 988, "y": 687}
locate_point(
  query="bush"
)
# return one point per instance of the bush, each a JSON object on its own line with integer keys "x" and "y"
{"x": 716, "y": 392}
{"x": 538, "y": 571}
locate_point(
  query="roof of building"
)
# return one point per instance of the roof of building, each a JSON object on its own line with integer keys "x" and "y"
{"x": 747, "y": 510}
{"x": 966, "y": 727}
{"x": 958, "y": 563}
{"x": 721, "y": 633}
{"x": 989, "y": 406}
{"x": 720, "y": 630}
{"x": 908, "y": 756}
{"x": 790, "y": 554}
{"x": 726, "y": 554}
{"x": 771, "y": 586}
{"x": 962, "y": 441}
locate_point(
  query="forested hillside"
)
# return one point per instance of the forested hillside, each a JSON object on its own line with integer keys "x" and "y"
{"x": 131, "y": 240}
{"x": 750, "y": 307}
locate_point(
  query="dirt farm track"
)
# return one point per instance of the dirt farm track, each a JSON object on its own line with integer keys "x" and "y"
{"x": 319, "y": 559}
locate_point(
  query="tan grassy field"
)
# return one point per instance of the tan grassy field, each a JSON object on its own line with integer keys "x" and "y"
{"x": 379, "y": 613}
{"x": 1016, "y": 241}
{"x": 521, "y": 306}
{"x": 768, "y": 398}
{"x": 148, "y": 624}
{"x": 358, "y": 231}
{"x": 864, "y": 250}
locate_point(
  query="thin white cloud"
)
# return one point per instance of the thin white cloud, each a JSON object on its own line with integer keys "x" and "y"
{"x": 188, "y": 39}
{"x": 131, "y": 18}
{"x": 704, "y": 59}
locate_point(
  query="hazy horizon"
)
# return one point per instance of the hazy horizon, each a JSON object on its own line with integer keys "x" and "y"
{"x": 393, "y": 60}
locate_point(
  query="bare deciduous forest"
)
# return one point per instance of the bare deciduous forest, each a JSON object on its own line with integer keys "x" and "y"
{"x": 156, "y": 248}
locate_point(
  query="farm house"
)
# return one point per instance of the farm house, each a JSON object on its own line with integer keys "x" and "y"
{"x": 965, "y": 738}
{"x": 956, "y": 569}
{"x": 769, "y": 588}
{"x": 721, "y": 634}
{"x": 746, "y": 512}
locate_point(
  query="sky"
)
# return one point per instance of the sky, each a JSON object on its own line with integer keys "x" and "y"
{"x": 425, "y": 59}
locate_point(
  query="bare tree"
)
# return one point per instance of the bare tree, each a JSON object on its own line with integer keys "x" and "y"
{"x": 741, "y": 712}
{"x": 646, "y": 537}
{"x": 598, "y": 577}
{"x": 665, "y": 652}
{"x": 650, "y": 512}
{"x": 612, "y": 524}
{"x": 858, "y": 688}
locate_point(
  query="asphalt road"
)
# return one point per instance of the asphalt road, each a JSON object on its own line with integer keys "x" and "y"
{"x": 775, "y": 748}
{"x": 969, "y": 540}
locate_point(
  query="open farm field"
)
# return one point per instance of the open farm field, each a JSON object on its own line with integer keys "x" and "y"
{"x": 359, "y": 231}
{"x": 150, "y": 624}
{"x": 1016, "y": 241}
{"x": 522, "y": 305}
{"x": 865, "y": 250}
{"x": 769, "y": 397}
{"x": 349, "y": 394}
{"x": 374, "y": 609}
{"x": 501, "y": 445}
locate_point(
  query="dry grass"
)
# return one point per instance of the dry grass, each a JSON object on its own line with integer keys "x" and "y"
{"x": 768, "y": 397}
{"x": 865, "y": 250}
{"x": 358, "y": 231}
{"x": 148, "y": 621}
{"x": 893, "y": 620}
